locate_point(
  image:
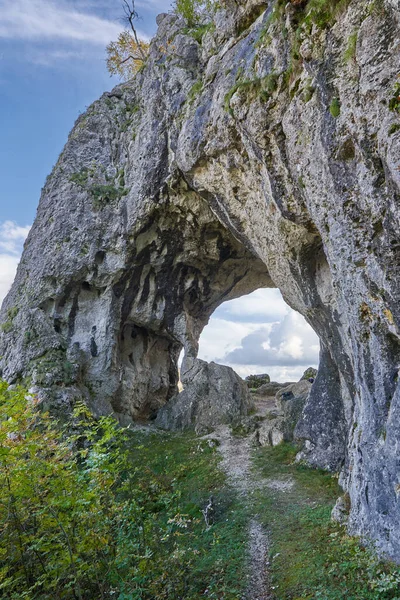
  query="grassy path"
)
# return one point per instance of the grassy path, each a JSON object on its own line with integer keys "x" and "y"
{"x": 271, "y": 536}
{"x": 237, "y": 464}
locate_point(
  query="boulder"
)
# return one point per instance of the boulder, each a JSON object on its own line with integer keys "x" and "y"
{"x": 270, "y": 389}
{"x": 271, "y": 432}
{"x": 213, "y": 395}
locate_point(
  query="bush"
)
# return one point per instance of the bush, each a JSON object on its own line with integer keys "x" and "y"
{"x": 94, "y": 511}
{"x": 193, "y": 10}
{"x": 256, "y": 381}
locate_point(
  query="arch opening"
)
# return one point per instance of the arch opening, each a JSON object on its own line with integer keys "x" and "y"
{"x": 259, "y": 333}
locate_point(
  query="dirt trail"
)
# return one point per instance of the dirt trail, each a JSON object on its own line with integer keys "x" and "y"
{"x": 236, "y": 462}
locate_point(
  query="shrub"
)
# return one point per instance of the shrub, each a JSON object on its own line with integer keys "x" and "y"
{"x": 193, "y": 10}
{"x": 394, "y": 102}
{"x": 334, "y": 108}
{"x": 256, "y": 381}
{"x": 94, "y": 511}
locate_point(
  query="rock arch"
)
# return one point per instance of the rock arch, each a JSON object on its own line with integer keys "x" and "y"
{"x": 193, "y": 184}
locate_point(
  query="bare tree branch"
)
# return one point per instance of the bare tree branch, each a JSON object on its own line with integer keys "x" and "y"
{"x": 131, "y": 15}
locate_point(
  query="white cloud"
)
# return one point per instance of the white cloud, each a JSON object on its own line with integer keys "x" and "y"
{"x": 259, "y": 333}
{"x": 8, "y": 268}
{"x": 12, "y": 237}
{"x": 262, "y": 306}
{"x": 290, "y": 342}
{"x": 48, "y": 20}
{"x": 221, "y": 337}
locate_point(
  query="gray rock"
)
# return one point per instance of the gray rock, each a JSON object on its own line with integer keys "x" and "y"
{"x": 204, "y": 178}
{"x": 213, "y": 395}
{"x": 340, "y": 512}
{"x": 286, "y": 395}
{"x": 272, "y": 432}
{"x": 256, "y": 381}
{"x": 281, "y": 423}
{"x": 270, "y": 389}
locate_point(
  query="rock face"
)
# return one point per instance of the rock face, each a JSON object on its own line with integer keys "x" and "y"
{"x": 213, "y": 395}
{"x": 267, "y": 155}
{"x": 282, "y": 420}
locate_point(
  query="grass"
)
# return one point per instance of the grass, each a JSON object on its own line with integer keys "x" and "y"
{"x": 312, "y": 556}
{"x": 350, "y": 52}
{"x": 96, "y": 511}
{"x": 7, "y": 326}
{"x": 214, "y": 557}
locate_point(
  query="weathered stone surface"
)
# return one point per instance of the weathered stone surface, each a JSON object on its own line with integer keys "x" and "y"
{"x": 286, "y": 395}
{"x": 270, "y": 389}
{"x": 213, "y": 395}
{"x": 340, "y": 512}
{"x": 281, "y": 421}
{"x": 291, "y": 401}
{"x": 272, "y": 432}
{"x": 211, "y": 174}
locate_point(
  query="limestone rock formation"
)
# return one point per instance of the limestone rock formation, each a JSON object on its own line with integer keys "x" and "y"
{"x": 270, "y": 389}
{"x": 266, "y": 155}
{"x": 282, "y": 420}
{"x": 213, "y": 395}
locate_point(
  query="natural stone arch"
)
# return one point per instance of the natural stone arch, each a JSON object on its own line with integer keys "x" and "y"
{"x": 282, "y": 186}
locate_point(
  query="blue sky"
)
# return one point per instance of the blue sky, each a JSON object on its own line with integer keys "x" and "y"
{"x": 52, "y": 66}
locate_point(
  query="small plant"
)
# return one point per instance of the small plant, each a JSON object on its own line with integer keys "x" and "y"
{"x": 394, "y": 128}
{"x": 351, "y": 49}
{"x": 334, "y": 108}
{"x": 394, "y": 102}
{"x": 11, "y": 314}
{"x": 105, "y": 194}
{"x": 193, "y": 10}
{"x": 256, "y": 381}
{"x": 80, "y": 178}
{"x": 195, "y": 91}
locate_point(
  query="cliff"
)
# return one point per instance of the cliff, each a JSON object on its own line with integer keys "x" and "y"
{"x": 262, "y": 150}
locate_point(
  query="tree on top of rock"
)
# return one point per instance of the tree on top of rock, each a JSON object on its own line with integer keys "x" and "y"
{"x": 126, "y": 56}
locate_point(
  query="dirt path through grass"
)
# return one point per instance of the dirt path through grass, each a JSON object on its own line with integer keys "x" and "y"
{"x": 237, "y": 464}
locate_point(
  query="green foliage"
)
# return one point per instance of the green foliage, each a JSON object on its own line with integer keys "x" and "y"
{"x": 394, "y": 102}
{"x": 324, "y": 13}
{"x": 80, "y": 178}
{"x": 53, "y": 368}
{"x": 262, "y": 87}
{"x": 96, "y": 511}
{"x": 195, "y": 91}
{"x": 334, "y": 108}
{"x": 101, "y": 194}
{"x": 350, "y": 52}
{"x": 199, "y": 31}
{"x": 394, "y": 128}
{"x": 256, "y": 381}
{"x": 105, "y": 194}
{"x": 127, "y": 55}
{"x": 7, "y": 326}
{"x": 193, "y": 10}
{"x": 314, "y": 558}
